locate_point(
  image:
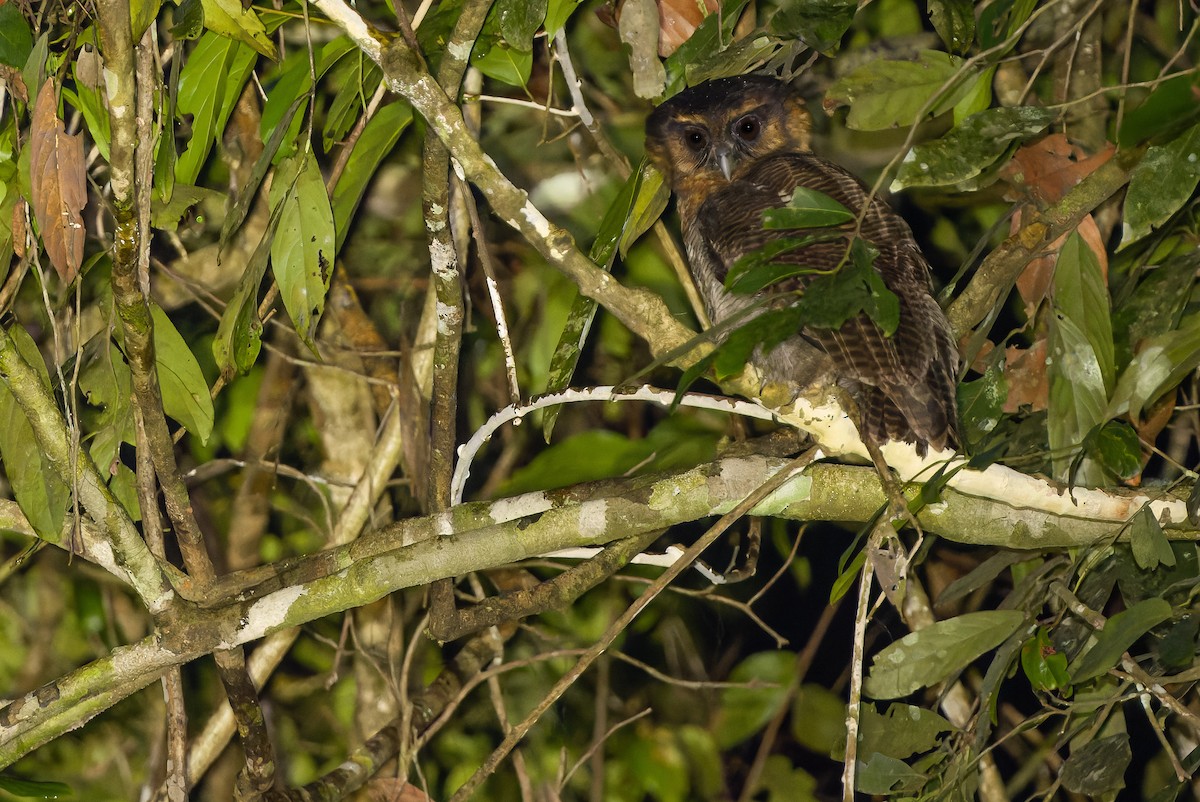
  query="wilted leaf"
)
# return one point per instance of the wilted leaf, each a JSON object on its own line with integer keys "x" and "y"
{"x": 59, "y": 190}
{"x": 1047, "y": 168}
{"x": 229, "y": 18}
{"x": 638, "y": 27}
{"x": 1160, "y": 184}
{"x": 302, "y": 248}
{"x": 1120, "y": 632}
{"x": 678, "y": 20}
{"x": 1098, "y": 767}
{"x": 971, "y": 147}
{"x": 886, "y": 94}
{"x": 930, "y": 655}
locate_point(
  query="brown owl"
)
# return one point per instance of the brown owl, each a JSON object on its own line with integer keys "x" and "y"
{"x": 734, "y": 148}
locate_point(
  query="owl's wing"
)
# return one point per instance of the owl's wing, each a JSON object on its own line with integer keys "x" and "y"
{"x": 909, "y": 376}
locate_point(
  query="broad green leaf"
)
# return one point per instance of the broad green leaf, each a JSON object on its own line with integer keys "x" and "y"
{"x": 229, "y": 18}
{"x": 302, "y": 248}
{"x": 1156, "y": 305}
{"x": 95, "y": 114}
{"x": 239, "y": 334}
{"x": 886, "y": 94}
{"x": 830, "y": 300}
{"x": 818, "y": 718}
{"x": 1147, "y": 541}
{"x": 504, "y": 63}
{"x": 166, "y": 216}
{"x": 704, "y": 47}
{"x": 977, "y": 98}
{"x": 358, "y": 78}
{"x": 1080, "y": 293}
{"x": 820, "y": 24}
{"x": 288, "y": 88}
{"x": 981, "y": 403}
{"x": 971, "y": 147}
{"x": 1177, "y": 647}
{"x": 745, "y": 711}
{"x": 558, "y": 12}
{"x": 1116, "y": 447}
{"x": 927, "y": 657}
{"x": 1161, "y": 184}
{"x": 520, "y": 20}
{"x": 185, "y": 393}
{"x": 38, "y": 486}
{"x": 784, "y": 782}
{"x": 1120, "y": 632}
{"x": 1161, "y": 364}
{"x": 105, "y": 381}
{"x": 954, "y": 20}
{"x": 883, "y": 775}
{"x": 189, "y": 20}
{"x": 1077, "y": 401}
{"x": 649, "y": 201}
{"x": 983, "y": 574}
{"x": 1169, "y": 108}
{"x": 1098, "y": 767}
{"x": 35, "y": 789}
{"x": 905, "y": 730}
{"x": 142, "y": 14}
{"x": 376, "y": 141}
{"x": 758, "y": 269}
{"x": 209, "y": 85}
{"x": 16, "y": 39}
{"x": 808, "y": 208}
{"x": 245, "y": 198}
{"x": 999, "y": 21}
{"x": 1045, "y": 667}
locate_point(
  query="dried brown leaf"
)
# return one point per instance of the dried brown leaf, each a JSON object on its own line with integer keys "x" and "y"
{"x": 393, "y": 789}
{"x": 18, "y": 228}
{"x": 59, "y": 193}
{"x": 1025, "y": 370}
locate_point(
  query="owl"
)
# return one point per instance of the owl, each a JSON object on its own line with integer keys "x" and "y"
{"x": 734, "y": 148}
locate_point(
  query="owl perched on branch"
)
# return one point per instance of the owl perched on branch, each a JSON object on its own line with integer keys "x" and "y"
{"x": 735, "y": 148}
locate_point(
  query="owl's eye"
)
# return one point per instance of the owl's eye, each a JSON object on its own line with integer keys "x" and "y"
{"x": 695, "y": 139}
{"x": 747, "y": 128}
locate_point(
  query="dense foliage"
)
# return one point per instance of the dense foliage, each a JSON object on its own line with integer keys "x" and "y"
{"x": 260, "y": 277}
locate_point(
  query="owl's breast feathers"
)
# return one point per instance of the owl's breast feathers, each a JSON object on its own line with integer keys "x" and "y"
{"x": 904, "y": 383}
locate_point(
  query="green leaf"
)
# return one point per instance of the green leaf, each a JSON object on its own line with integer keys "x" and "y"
{"x": 1116, "y": 447}
{"x": 1120, "y": 632}
{"x": 930, "y": 655}
{"x": 504, "y": 63}
{"x": 830, "y": 300}
{"x": 239, "y": 334}
{"x": 229, "y": 18}
{"x": 1169, "y": 108}
{"x": 185, "y": 393}
{"x": 884, "y": 775}
{"x": 1081, "y": 295}
{"x": 757, "y": 269}
{"x": 1147, "y": 541}
{"x": 886, "y": 94}
{"x": 557, "y": 14}
{"x": 1045, "y": 667}
{"x": 245, "y": 198}
{"x": 1156, "y": 305}
{"x": 745, "y": 711}
{"x": 1161, "y": 364}
{"x": 1098, "y": 767}
{"x": 189, "y": 20}
{"x": 34, "y": 789}
{"x": 1161, "y": 184}
{"x": 376, "y": 141}
{"x": 209, "y": 85}
{"x": 649, "y": 201}
{"x": 38, "y": 486}
{"x": 302, "y": 249}
{"x": 905, "y": 730}
{"x": 288, "y": 88}
{"x": 954, "y": 20}
{"x": 981, "y": 403}
{"x": 808, "y": 208}
{"x": 166, "y": 216}
{"x": 818, "y": 718}
{"x": 520, "y": 20}
{"x": 820, "y": 24}
{"x": 95, "y": 114}
{"x": 358, "y": 78}
{"x": 16, "y": 39}
{"x": 704, "y": 48}
{"x": 971, "y": 147}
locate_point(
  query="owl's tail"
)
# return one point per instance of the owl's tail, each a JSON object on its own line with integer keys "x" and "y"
{"x": 924, "y": 413}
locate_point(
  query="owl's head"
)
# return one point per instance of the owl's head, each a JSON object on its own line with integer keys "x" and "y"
{"x": 717, "y": 128}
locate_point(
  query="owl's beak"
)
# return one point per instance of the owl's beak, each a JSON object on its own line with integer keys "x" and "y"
{"x": 727, "y": 159}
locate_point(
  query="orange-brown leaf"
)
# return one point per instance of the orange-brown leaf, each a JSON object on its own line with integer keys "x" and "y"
{"x": 1025, "y": 370}
{"x": 1045, "y": 170}
{"x": 678, "y": 20}
{"x": 393, "y": 789}
{"x": 59, "y": 192}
